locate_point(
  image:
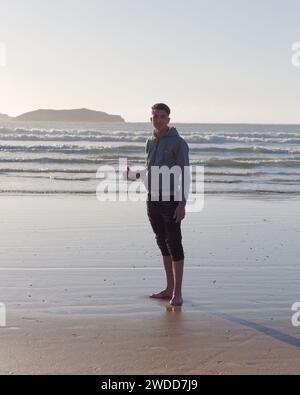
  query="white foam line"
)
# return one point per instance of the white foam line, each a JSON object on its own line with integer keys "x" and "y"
{"x": 135, "y": 268}
{"x": 74, "y": 268}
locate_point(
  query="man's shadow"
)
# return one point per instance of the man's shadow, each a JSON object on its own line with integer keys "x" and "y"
{"x": 275, "y": 334}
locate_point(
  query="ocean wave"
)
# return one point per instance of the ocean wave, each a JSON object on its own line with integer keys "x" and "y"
{"x": 80, "y": 170}
{"x": 116, "y": 151}
{"x": 84, "y": 133}
{"x": 44, "y": 170}
{"x": 131, "y": 148}
{"x": 242, "y": 162}
{"x": 211, "y": 162}
{"x": 47, "y": 137}
{"x": 45, "y": 192}
{"x": 249, "y": 162}
{"x": 249, "y": 149}
{"x": 225, "y": 139}
{"x": 246, "y": 191}
{"x": 22, "y": 134}
{"x": 31, "y": 134}
{"x": 46, "y": 176}
{"x": 66, "y": 160}
{"x": 249, "y": 174}
{"x": 51, "y": 160}
{"x": 254, "y": 191}
{"x": 272, "y": 134}
{"x": 71, "y": 149}
{"x": 107, "y": 130}
{"x": 284, "y": 181}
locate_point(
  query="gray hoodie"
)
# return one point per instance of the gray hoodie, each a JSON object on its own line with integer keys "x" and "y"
{"x": 168, "y": 150}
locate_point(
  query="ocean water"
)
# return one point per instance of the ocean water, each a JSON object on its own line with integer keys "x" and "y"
{"x": 64, "y": 157}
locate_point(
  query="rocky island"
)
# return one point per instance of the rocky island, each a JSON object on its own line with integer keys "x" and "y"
{"x": 73, "y": 115}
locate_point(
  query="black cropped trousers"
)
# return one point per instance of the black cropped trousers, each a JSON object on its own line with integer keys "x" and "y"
{"x": 167, "y": 233}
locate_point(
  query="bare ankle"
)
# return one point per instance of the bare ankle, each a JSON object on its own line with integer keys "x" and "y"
{"x": 170, "y": 288}
{"x": 177, "y": 294}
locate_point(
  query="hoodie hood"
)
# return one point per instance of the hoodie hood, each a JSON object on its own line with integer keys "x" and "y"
{"x": 171, "y": 133}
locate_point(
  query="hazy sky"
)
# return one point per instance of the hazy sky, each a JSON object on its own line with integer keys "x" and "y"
{"x": 211, "y": 61}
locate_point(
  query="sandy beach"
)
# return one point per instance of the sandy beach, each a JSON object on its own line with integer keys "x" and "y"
{"x": 76, "y": 275}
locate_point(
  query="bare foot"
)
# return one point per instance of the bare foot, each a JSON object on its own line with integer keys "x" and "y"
{"x": 165, "y": 294}
{"x": 176, "y": 301}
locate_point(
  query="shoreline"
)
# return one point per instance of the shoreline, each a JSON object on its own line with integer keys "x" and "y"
{"x": 238, "y": 194}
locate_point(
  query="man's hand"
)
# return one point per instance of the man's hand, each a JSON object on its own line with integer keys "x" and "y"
{"x": 125, "y": 174}
{"x": 133, "y": 175}
{"x": 179, "y": 213}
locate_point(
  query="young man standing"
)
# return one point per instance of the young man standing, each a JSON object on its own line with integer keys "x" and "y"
{"x": 167, "y": 148}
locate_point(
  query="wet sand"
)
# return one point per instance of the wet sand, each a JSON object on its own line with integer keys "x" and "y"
{"x": 76, "y": 275}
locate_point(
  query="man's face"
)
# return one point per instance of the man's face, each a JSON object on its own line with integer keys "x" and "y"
{"x": 160, "y": 120}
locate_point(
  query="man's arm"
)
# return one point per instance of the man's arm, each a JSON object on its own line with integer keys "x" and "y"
{"x": 182, "y": 160}
{"x": 139, "y": 174}
{"x": 135, "y": 174}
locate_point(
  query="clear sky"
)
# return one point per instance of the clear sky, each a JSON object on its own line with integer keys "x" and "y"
{"x": 210, "y": 60}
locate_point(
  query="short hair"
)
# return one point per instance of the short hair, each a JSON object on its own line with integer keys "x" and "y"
{"x": 161, "y": 106}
